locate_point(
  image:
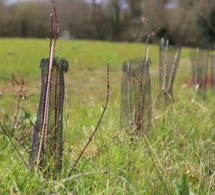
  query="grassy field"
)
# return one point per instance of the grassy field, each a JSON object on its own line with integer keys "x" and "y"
{"x": 178, "y": 156}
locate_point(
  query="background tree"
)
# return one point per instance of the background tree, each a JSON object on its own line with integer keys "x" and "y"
{"x": 185, "y": 22}
{"x": 206, "y": 22}
{"x": 135, "y": 8}
{"x": 25, "y": 20}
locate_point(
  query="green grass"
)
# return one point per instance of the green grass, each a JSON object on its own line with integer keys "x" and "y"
{"x": 181, "y": 155}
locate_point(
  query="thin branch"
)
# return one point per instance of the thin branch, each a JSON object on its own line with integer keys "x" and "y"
{"x": 59, "y": 51}
{"x": 21, "y": 144}
{"x": 207, "y": 21}
{"x": 50, "y": 35}
{"x": 5, "y": 131}
{"x": 98, "y": 123}
{"x": 147, "y": 40}
{"x": 56, "y": 23}
{"x": 45, "y": 115}
{"x": 11, "y": 134}
{"x": 29, "y": 119}
{"x": 51, "y": 26}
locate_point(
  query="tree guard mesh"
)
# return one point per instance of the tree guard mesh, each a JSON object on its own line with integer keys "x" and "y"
{"x": 52, "y": 151}
{"x": 136, "y": 96}
{"x": 169, "y": 57}
{"x": 199, "y": 62}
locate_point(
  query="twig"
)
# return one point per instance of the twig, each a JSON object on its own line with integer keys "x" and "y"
{"x": 98, "y": 123}
{"x": 11, "y": 134}
{"x": 50, "y": 35}
{"x": 59, "y": 51}
{"x": 5, "y": 131}
{"x": 147, "y": 40}
{"x": 208, "y": 22}
{"x": 29, "y": 119}
{"x": 21, "y": 144}
{"x": 56, "y": 22}
{"x": 45, "y": 118}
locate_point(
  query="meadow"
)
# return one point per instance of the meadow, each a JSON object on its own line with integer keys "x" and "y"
{"x": 177, "y": 157}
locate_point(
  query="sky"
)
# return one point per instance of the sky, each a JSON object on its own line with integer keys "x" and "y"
{"x": 14, "y": 1}
{"x": 170, "y": 5}
{"x": 9, "y": 2}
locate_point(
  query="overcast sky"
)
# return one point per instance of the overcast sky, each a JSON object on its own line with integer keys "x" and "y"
{"x": 13, "y": 1}
{"x": 170, "y": 5}
{"x": 8, "y": 2}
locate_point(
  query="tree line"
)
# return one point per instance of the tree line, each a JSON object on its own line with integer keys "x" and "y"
{"x": 185, "y": 22}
